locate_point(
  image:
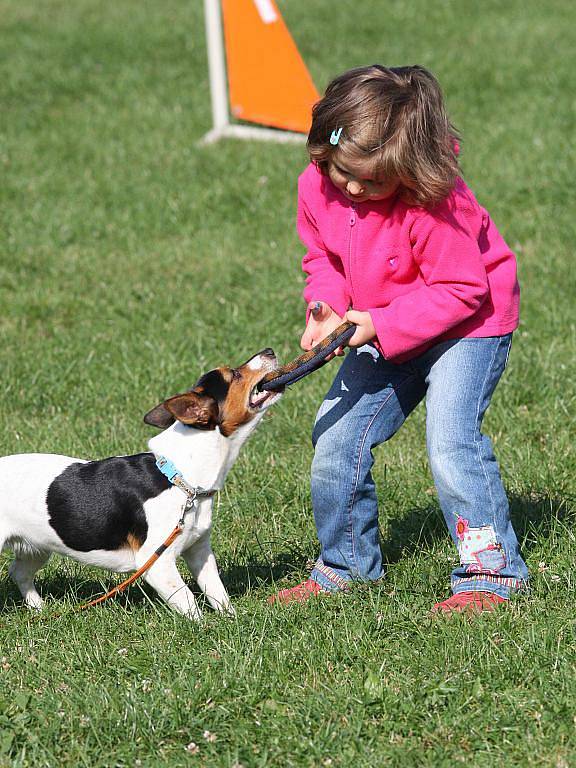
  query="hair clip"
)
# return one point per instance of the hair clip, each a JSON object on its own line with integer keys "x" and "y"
{"x": 335, "y": 137}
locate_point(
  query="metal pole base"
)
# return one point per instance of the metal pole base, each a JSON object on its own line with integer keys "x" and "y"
{"x": 252, "y": 133}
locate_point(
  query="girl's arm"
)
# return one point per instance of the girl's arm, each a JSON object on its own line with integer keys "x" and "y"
{"x": 325, "y": 281}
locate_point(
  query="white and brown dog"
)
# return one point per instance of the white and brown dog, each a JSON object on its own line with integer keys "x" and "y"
{"x": 114, "y": 513}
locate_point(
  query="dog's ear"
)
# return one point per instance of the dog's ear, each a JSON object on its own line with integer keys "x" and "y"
{"x": 159, "y": 417}
{"x": 194, "y": 409}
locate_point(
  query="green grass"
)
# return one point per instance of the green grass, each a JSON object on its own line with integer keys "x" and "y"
{"x": 131, "y": 260}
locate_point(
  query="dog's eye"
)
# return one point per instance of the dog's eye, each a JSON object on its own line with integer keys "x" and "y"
{"x": 236, "y": 375}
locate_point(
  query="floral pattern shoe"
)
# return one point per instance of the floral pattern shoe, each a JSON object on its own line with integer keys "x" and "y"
{"x": 298, "y": 594}
{"x": 469, "y": 602}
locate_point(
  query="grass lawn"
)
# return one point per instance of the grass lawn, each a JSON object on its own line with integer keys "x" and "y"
{"x": 131, "y": 261}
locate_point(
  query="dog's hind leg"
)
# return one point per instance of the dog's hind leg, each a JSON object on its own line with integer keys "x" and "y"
{"x": 165, "y": 578}
{"x": 202, "y": 563}
{"x": 22, "y": 572}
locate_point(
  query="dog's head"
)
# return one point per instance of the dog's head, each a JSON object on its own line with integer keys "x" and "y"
{"x": 225, "y": 398}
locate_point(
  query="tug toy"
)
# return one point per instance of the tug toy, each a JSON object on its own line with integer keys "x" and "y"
{"x": 308, "y": 362}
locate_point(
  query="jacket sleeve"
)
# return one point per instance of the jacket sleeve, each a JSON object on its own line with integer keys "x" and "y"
{"x": 455, "y": 284}
{"x": 325, "y": 280}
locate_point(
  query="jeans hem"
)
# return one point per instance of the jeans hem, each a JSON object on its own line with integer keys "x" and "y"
{"x": 502, "y": 587}
{"x": 327, "y": 578}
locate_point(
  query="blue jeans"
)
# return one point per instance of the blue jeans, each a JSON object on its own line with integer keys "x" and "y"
{"x": 368, "y": 402}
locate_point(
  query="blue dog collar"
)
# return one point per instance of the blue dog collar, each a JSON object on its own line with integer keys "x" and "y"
{"x": 167, "y": 468}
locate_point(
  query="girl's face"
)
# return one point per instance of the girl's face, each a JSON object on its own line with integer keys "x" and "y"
{"x": 354, "y": 179}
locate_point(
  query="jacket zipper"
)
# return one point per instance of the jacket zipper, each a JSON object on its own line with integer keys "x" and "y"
{"x": 352, "y": 221}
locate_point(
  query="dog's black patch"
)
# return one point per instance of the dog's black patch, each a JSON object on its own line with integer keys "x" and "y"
{"x": 213, "y": 384}
{"x": 98, "y": 505}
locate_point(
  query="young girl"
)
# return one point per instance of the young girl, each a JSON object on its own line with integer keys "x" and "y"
{"x": 398, "y": 244}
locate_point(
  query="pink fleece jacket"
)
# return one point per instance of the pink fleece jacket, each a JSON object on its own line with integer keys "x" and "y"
{"x": 425, "y": 276}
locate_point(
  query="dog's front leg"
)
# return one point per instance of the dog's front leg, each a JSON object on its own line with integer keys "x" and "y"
{"x": 202, "y": 563}
{"x": 166, "y": 580}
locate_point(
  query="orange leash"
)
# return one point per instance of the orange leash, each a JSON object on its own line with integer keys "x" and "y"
{"x": 121, "y": 587}
{"x": 170, "y": 471}
{"x": 147, "y": 565}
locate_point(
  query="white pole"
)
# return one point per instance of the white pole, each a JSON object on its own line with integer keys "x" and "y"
{"x": 219, "y": 89}
{"x": 216, "y": 64}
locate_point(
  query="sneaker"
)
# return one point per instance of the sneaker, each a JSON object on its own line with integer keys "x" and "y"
{"x": 469, "y": 602}
{"x": 298, "y": 594}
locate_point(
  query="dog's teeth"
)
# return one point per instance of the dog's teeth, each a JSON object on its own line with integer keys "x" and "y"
{"x": 257, "y": 398}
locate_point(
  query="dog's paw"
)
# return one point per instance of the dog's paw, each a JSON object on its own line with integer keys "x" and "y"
{"x": 34, "y": 602}
{"x": 224, "y": 607}
{"x": 227, "y": 610}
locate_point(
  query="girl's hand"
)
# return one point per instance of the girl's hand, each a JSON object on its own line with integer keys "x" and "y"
{"x": 322, "y": 321}
{"x": 365, "y": 331}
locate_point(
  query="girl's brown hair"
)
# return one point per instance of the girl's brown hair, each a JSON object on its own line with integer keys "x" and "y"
{"x": 395, "y": 119}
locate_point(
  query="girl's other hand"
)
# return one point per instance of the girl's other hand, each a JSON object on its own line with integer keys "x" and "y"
{"x": 365, "y": 331}
{"x": 322, "y": 321}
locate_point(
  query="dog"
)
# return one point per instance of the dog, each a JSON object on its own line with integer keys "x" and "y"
{"x": 115, "y": 512}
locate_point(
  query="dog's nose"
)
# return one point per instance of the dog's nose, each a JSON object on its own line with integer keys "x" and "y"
{"x": 268, "y": 352}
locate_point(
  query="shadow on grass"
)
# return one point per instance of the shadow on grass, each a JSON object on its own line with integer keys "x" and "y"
{"x": 535, "y": 519}
{"x": 65, "y": 585}
{"x": 71, "y": 590}
{"x": 254, "y": 572}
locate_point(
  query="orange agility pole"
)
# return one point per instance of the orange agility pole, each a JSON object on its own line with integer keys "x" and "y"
{"x": 268, "y": 81}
